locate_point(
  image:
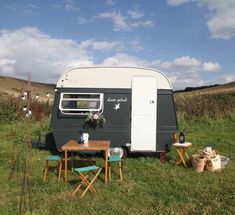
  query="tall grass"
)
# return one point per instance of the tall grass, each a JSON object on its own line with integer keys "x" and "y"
{"x": 9, "y": 105}
{"x": 213, "y": 106}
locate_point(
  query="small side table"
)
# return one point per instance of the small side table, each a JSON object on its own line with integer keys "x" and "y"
{"x": 182, "y": 149}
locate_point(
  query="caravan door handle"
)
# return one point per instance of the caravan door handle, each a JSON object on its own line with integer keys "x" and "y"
{"x": 151, "y": 101}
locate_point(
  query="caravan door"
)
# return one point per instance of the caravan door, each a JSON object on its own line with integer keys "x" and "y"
{"x": 144, "y": 113}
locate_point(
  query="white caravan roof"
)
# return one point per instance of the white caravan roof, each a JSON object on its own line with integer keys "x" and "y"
{"x": 109, "y": 77}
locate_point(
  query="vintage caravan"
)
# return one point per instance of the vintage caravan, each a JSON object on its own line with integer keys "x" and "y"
{"x": 132, "y": 107}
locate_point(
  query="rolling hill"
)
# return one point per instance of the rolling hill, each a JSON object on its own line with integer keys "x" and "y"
{"x": 12, "y": 86}
{"x": 213, "y": 89}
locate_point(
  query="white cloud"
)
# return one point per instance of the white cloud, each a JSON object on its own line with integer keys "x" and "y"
{"x": 177, "y": 2}
{"x": 104, "y": 46}
{"x": 182, "y": 72}
{"x": 211, "y": 67}
{"x": 145, "y": 24}
{"x": 71, "y": 5}
{"x": 6, "y": 61}
{"x": 101, "y": 45}
{"x": 28, "y": 49}
{"x": 33, "y": 6}
{"x": 30, "y": 9}
{"x": 122, "y": 23}
{"x": 135, "y": 14}
{"x": 186, "y": 71}
{"x": 7, "y": 65}
{"x": 119, "y": 21}
{"x": 221, "y": 21}
{"x": 78, "y": 63}
{"x": 224, "y": 79}
{"x": 186, "y": 61}
{"x": 111, "y": 2}
{"x": 82, "y": 21}
{"x": 135, "y": 44}
{"x": 46, "y": 57}
{"x": 86, "y": 43}
{"x": 122, "y": 59}
{"x": 180, "y": 80}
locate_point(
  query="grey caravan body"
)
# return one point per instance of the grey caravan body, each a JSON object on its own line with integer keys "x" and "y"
{"x": 137, "y": 104}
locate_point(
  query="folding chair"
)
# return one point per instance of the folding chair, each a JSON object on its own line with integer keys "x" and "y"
{"x": 84, "y": 178}
{"x": 120, "y": 164}
{"x": 53, "y": 158}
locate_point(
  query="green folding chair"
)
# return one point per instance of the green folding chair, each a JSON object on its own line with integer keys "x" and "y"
{"x": 83, "y": 174}
{"x": 53, "y": 158}
{"x": 113, "y": 159}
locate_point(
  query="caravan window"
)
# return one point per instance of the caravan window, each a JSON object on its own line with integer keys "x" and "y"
{"x": 81, "y": 103}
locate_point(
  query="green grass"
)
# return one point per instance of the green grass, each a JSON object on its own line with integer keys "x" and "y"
{"x": 149, "y": 186}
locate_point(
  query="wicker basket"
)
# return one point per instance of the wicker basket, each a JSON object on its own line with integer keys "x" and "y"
{"x": 198, "y": 162}
{"x": 214, "y": 164}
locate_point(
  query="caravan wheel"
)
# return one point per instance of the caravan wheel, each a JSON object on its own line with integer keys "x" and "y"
{"x": 118, "y": 151}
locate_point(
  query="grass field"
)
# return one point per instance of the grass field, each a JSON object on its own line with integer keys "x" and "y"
{"x": 149, "y": 186}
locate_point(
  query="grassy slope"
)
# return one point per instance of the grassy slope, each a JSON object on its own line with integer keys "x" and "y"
{"x": 12, "y": 86}
{"x": 225, "y": 88}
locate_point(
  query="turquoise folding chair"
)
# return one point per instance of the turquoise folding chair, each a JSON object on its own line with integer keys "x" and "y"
{"x": 83, "y": 174}
{"x": 53, "y": 158}
{"x": 113, "y": 159}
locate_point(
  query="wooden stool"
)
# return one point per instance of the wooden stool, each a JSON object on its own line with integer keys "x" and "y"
{"x": 84, "y": 178}
{"x": 120, "y": 164}
{"x": 182, "y": 149}
{"x": 53, "y": 158}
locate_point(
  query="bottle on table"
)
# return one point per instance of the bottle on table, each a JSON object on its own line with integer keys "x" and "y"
{"x": 182, "y": 137}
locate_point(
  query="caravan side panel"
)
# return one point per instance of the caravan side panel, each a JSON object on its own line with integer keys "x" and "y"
{"x": 118, "y": 120}
{"x": 166, "y": 121}
{"x": 117, "y": 112}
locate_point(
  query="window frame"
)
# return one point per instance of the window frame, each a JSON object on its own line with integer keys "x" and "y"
{"x": 81, "y": 111}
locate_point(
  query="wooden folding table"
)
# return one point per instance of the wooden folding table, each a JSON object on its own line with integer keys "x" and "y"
{"x": 182, "y": 149}
{"x": 92, "y": 145}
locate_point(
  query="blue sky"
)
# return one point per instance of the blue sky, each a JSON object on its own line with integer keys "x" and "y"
{"x": 191, "y": 41}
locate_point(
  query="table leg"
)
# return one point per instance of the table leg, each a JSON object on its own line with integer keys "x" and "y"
{"x": 65, "y": 166}
{"x": 181, "y": 157}
{"x": 106, "y": 166}
{"x": 72, "y": 167}
{"x": 185, "y": 153}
